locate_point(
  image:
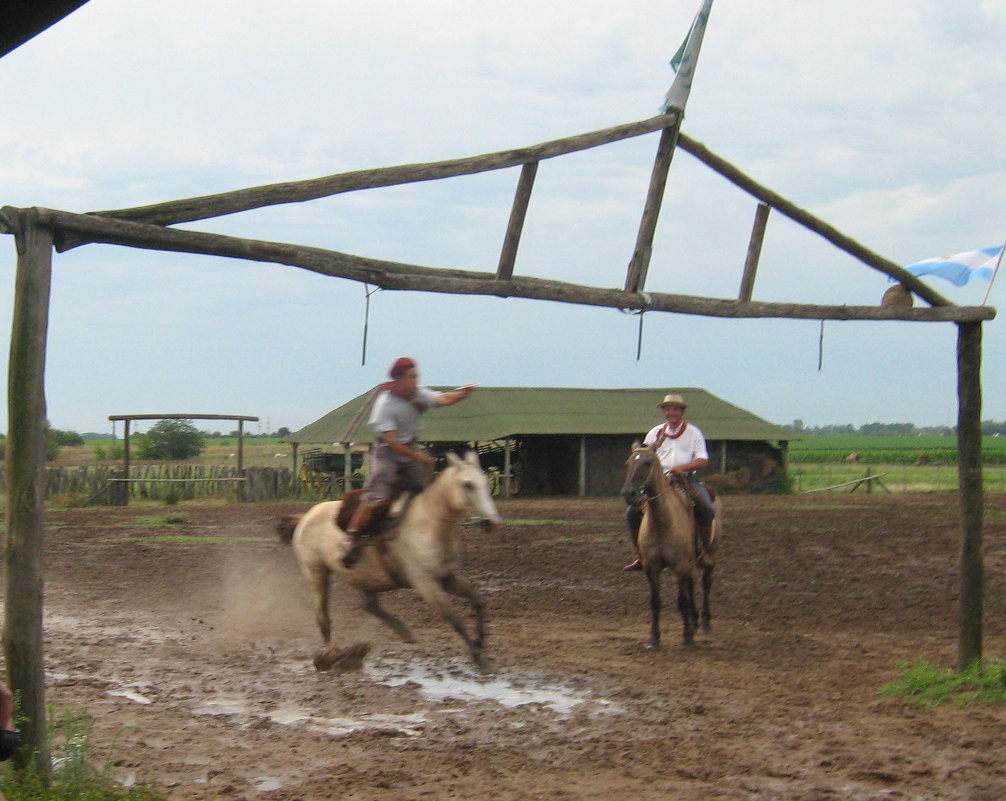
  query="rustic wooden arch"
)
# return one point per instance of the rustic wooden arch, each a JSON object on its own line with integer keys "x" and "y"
{"x": 128, "y": 418}
{"x": 38, "y": 230}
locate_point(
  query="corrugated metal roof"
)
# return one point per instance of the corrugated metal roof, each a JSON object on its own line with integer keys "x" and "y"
{"x": 497, "y": 412}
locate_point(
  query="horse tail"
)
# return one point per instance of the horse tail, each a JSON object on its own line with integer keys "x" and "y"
{"x": 285, "y": 527}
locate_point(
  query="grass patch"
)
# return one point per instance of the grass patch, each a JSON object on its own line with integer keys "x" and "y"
{"x": 74, "y": 777}
{"x": 167, "y": 539}
{"x": 533, "y": 522}
{"x": 925, "y": 685}
{"x": 171, "y": 518}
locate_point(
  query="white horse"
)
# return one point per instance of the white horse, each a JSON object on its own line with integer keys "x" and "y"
{"x": 423, "y": 553}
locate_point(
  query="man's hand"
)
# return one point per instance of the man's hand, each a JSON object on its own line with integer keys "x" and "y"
{"x": 422, "y": 457}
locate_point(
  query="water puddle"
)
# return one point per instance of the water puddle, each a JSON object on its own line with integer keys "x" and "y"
{"x": 435, "y": 683}
{"x": 438, "y": 684}
{"x": 131, "y": 695}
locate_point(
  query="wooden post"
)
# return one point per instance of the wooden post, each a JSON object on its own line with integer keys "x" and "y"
{"x": 635, "y": 280}
{"x": 241, "y": 489}
{"x": 504, "y": 272}
{"x": 26, "y": 444}
{"x": 581, "y": 488}
{"x": 969, "y": 466}
{"x": 125, "y": 463}
{"x": 506, "y": 469}
{"x": 754, "y": 251}
{"x": 347, "y": 467}
{"x": 241, "y": 446}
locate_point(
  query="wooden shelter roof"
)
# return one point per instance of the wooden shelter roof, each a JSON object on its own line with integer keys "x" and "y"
{"x": 498, "y": 412}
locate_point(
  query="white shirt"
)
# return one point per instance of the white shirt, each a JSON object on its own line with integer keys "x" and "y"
{"x": 392, "y": 413}
{"x": 677, "y": 448}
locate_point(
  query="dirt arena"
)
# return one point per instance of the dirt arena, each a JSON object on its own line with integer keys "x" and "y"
{"x": 190, "y": 644}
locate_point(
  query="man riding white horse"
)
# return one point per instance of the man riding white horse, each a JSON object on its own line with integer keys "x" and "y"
{"x": 681, "y": 448}
{"x": 396, "y": 464}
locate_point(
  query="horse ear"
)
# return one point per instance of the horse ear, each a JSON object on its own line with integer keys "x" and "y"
{"x": 637, "y": 445}
{"x": 473, "y": 459}
{"x": 453, "y": 459}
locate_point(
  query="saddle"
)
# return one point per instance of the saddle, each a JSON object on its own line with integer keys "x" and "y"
{"x": 383, "y": 518}
{"x": 687, "y": 488}
{"x": 689, "y": 491}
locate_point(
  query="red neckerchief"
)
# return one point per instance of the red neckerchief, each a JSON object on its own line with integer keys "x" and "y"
{"x": 665, "y": 435}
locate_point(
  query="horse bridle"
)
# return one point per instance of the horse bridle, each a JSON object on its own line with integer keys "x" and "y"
{"x": 671, "y": 479}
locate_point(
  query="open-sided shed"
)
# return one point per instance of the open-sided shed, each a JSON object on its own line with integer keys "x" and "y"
{"x": 573, "y": 441}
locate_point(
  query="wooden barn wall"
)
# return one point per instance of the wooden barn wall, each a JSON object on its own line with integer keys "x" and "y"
{"x": 550, "y": 464}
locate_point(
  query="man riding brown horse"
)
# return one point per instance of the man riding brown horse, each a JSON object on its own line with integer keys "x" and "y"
{"x": 681, "y": 448}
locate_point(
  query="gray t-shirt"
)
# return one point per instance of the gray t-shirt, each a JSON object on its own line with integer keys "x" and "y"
{"x": 392, "y": 413}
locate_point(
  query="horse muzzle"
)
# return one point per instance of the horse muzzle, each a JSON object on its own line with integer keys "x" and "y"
{"x": 633, "y": 497}
{"x": 484, "y": 523}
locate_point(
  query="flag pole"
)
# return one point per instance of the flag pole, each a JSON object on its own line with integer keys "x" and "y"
{"x": 994, "y": 273}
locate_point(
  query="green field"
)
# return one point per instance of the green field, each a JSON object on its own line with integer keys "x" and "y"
{"x": 904, "y": 464}
{"x": 830, "y": 448}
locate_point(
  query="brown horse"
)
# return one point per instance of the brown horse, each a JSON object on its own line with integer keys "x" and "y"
{"x": 667, "y": 538}
{"x": 424, "y": 554}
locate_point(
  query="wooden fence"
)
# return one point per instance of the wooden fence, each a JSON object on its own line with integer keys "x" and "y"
{"x": 106, "y": 484}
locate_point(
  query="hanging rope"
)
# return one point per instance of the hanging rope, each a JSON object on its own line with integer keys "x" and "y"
{"x": 367, "y": 291}
{"x": 647, "y": 302}
{"x": 820, "y": 348}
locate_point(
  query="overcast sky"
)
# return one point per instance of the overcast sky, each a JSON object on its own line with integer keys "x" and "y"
{"x": 883, "y": 117}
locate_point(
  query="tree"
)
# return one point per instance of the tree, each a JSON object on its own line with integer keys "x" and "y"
{"x": 171, "y": 439}
{"x": 68, "y": 438}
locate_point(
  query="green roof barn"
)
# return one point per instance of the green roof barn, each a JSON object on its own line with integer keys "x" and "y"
{"x": 568, "y": 441}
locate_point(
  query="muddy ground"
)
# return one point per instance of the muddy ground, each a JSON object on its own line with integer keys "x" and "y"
{"x": 194, "y": 658}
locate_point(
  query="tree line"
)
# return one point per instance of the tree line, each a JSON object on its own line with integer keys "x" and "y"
{"x": 990, "y": 428}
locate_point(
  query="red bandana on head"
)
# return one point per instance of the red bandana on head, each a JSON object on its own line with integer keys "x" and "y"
{"x": 398, "y": 369}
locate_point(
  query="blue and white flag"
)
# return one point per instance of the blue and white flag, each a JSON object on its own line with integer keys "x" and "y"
{"x": 684, "y": 61}
{"x": 961, "y": 267}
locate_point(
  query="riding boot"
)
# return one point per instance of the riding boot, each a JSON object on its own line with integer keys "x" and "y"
{"x": 634, "y": 518}
{"x": 358, "y": 523}
{"x": 705, "y": 546}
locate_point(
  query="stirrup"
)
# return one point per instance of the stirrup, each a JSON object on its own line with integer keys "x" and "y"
{"x": 352, "y": 556}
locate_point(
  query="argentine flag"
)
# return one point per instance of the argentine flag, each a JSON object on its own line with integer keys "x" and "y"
{"x": 961, "y": 267}
{"x": 684, "y": 61}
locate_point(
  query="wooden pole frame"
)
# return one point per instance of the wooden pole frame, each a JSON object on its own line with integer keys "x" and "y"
{"x": 969, "y": 466}
{"x": 27, "y": 435}
{"x": 128, "y": 418}
{"x": 38, "y": 230}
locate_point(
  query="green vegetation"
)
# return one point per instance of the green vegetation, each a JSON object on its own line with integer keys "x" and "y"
{"x": 833, "y": 448}
{"x": 171, "y": 439}
{"x": 925, "y": 685}
{"x": 74, "y": 777}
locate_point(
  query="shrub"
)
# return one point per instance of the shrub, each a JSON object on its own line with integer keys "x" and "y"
{"x": 171, "y": 439}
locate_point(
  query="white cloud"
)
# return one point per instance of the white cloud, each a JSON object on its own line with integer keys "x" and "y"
{"x": 882, "y": 118}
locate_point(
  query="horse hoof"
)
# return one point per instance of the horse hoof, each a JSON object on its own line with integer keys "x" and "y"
{"x": 325, "y": 658}
{"x": 342, "y": 660}
{"x": 484, "y": 664}
{"x": 653, "y": 645}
